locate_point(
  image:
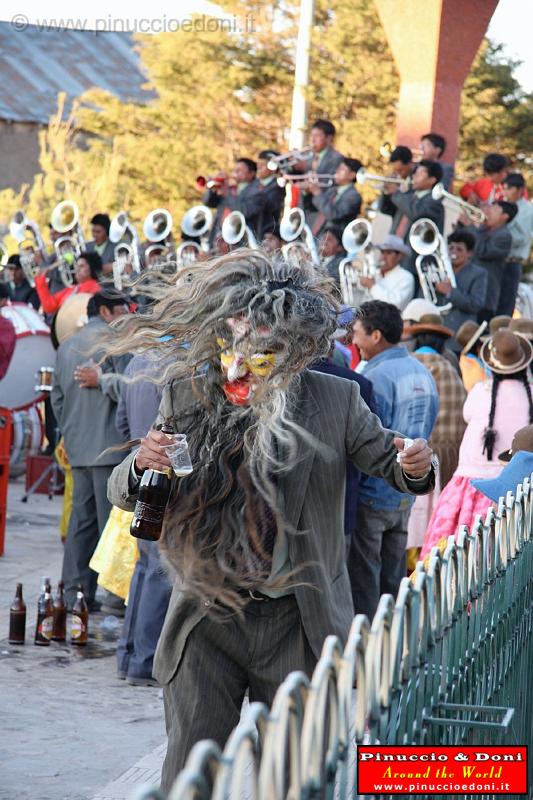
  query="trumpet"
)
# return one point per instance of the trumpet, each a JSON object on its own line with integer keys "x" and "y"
{"x": 324, "y": 180}
{"x": 433, "y": 263}
{"x": 288, "y": 159}
{"x": 476, "y": 214}
{"x": 360, "y": 261}
{"x": 298, "y": 235}
{"x": 235, "y": 231}
{"x": 363, "y": 177}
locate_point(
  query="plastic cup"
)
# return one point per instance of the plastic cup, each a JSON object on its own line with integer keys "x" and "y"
{"x": 178, "y": 454}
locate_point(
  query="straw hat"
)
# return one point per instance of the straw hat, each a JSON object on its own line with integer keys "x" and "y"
{"x": 431, "y": 323}
{"x": 522, "y": 440}
{"x": 506, "y": 353}
{"x": 468, "y": 334}
{"x": 522, "y": 326}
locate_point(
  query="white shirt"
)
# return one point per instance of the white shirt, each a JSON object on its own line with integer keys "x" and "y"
{"x": 396, "y": 287}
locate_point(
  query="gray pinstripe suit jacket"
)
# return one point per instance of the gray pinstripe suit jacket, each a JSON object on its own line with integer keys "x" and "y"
{"x": 312, "y": 494}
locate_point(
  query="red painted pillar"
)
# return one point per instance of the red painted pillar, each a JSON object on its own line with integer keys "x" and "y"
{"x": 433, "y": 43}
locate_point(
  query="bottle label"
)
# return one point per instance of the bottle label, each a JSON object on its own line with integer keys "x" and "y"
{"x": 149, "y": 513}
{"x": 78, "y": 628}
{"x": 46, "y": 627}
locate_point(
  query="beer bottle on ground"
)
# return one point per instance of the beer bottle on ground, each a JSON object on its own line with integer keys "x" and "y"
{"x": 60, "y": 615}
{"x": 17, "y": 618}
{"x": 45, "y": 618}
{"x": 80, "y": 620}
{"x": 154, "y": 491}
{"x": 45, "y": 582}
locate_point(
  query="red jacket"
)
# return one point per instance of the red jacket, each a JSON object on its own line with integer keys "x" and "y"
{"x": 51, "y": 302}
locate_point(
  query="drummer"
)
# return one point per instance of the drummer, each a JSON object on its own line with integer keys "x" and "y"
{"x": 88, "y": 270}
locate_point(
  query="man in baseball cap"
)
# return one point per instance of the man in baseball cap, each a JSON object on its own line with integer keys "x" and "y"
{"x": 392, "y": 284}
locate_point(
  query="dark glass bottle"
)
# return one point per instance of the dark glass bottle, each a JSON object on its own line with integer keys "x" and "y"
{"x": 45, "y": 618}
{"x": 59, "y": 633}
{"x": 17, "y": 618}
{"x": 154, "y": 491}
{"x": 79, "y": 626}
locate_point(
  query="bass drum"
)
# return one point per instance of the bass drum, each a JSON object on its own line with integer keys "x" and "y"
{"x": 70, "y": 317}
{"x": 27, "y": 439}
{"x": 33, "y": 350}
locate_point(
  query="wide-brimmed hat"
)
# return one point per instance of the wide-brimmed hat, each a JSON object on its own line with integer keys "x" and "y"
{"x": 431, "y": 323}
{"x": 468, "y": 334}
{"x": 506, "y": 353}
{"x": 393, "y": 242}
{"x": 499, "y": 322}
{"x": 523, "y": 326}
{"x": 417, "y": 308}
{"x": 518, "y": 468}
{"x": 522, "y": 440}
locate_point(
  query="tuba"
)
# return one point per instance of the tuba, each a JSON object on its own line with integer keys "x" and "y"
{"x": 299, "y": 237}
{"x": 360, "y": 261}
{"x": 476, "y": 214}
{"x": 157, "y": 229}
{"x": 65, "y": 218}
{"x": 28, "y": 237}
{"x": 4, "y": 258}
{"x": 124, "y": 235}
{"x": 433, "y": 263}
{"x": 236, "y": 232}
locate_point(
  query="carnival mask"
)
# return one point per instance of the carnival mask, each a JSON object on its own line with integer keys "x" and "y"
{"x": 245, "y": 362}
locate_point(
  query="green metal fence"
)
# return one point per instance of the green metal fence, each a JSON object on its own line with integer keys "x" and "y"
{"x": 450, "y": 662}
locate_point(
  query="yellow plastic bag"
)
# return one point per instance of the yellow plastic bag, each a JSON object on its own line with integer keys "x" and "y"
{"x": 116, "y": 553}
{"x": 61, "y": 458}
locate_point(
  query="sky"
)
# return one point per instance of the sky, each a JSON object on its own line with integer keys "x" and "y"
{"x": 511, "y": 24}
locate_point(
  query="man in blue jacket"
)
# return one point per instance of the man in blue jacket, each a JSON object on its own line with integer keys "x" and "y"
{"x": 405, "y": 400}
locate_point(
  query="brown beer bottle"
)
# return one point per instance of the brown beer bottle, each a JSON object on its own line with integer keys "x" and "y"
{"x": 17, "y": 618}
{"x": 59, "y": 633}
{"x": 154, "y": 492}
{"x": 45, "y": 618}
{"x": 79, "y": 626}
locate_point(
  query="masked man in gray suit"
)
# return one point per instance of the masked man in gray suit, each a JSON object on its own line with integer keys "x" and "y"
{"x": 256, "y": 532}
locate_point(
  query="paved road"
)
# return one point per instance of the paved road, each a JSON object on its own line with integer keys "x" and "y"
{"x": 68, "y": 727}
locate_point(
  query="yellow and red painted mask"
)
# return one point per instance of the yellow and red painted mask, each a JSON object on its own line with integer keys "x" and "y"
{"x": 245, "y": 369}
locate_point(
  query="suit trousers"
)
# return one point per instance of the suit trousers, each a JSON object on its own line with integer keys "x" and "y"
{"x": 149, "y": 594}
{"x": 224, "y": 656}
{"x": 90, "y": 510}
{"x": 377, "y": 563}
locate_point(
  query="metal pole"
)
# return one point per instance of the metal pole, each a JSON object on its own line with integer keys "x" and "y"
{"x": 301, "y": 75}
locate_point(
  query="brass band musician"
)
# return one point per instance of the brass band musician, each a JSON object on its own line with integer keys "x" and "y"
{"x": 339, "y": 204}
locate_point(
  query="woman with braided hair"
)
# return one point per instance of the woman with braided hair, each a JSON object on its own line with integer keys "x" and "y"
{"x": 494, "y": 410}
{"x": 256, "y": 531}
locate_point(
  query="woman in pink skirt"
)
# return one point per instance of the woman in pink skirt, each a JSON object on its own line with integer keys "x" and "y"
{"x": 494, "y": 410}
